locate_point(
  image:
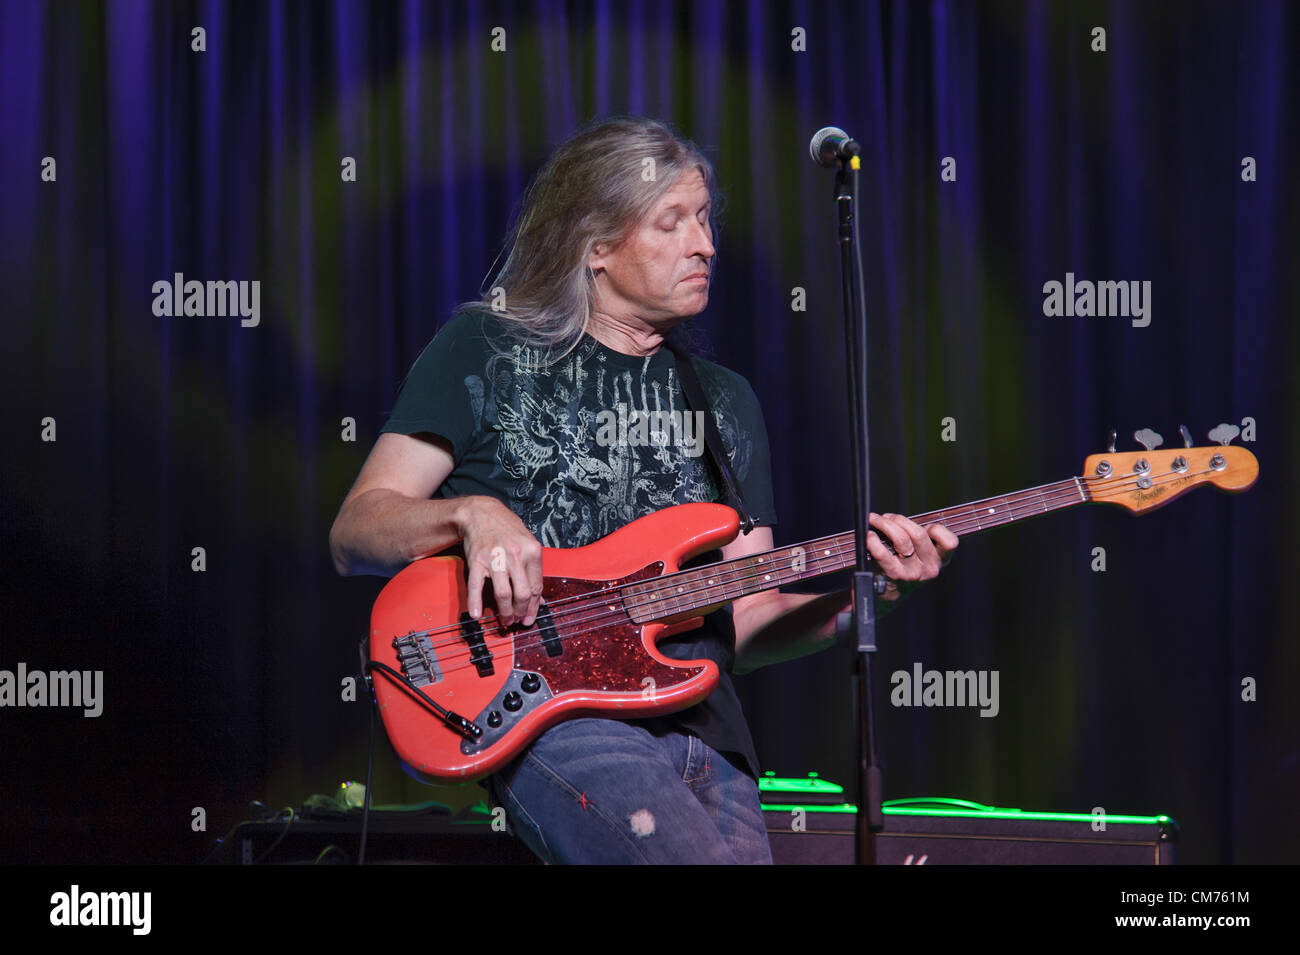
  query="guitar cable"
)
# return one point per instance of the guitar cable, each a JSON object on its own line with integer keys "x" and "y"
{"x": 455, "y": 721}
{"x": 463, "y": 726}
{"x": 466, "y": 728}
{"x": 223, "y": 841}
{"x": 288, "y": 824}
{"x": 370, "y": 764}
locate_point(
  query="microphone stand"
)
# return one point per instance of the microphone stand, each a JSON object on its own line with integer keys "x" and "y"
{"x": 866, "y": 583}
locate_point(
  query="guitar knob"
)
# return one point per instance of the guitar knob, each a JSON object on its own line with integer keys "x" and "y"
{"x": 494, "y": 719}
{"x": 1187, "y": 435}
{"x": 1148, "y": 439}
{"x": 513, "y": 701}
{"x": 531, "y": 683}
{"x": 1224, "y": 433}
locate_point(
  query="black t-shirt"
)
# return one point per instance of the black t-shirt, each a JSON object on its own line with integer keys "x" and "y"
{"x": 575, "y": 451}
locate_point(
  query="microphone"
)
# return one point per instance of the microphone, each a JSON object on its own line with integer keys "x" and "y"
{"x": 831, "y": 145}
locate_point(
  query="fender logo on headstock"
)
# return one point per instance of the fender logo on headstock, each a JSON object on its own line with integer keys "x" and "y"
{"x": 1140, "y": 496}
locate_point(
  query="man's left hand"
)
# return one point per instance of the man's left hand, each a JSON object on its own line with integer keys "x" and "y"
{"x": 920, "y": 555}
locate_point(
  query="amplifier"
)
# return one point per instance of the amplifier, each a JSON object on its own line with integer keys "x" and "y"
{"x": 808, "y": 823}
{"x": 392, "y": 836}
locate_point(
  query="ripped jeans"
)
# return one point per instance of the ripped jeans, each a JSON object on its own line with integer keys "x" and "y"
{"x": 609, "y": 792}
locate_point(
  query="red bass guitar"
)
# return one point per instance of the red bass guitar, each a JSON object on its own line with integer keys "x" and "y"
{"x": 461, "y": 697}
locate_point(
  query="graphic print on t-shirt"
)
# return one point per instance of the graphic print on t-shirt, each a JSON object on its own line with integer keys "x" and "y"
{"x": 568, "y": 487}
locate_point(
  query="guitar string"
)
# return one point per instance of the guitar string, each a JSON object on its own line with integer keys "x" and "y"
{"x": 459, "y": 656}
{"x": 818, "y": 543}
{"x": 975, "y": 514}
{"x": 1065, "y": 489}
{"x": 455, "y": 650}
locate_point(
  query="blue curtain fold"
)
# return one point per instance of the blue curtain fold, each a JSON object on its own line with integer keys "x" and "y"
{"x": 1121, "y": 689}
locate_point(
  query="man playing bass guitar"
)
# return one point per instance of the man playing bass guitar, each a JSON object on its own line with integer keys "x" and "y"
{"x": 551, "y": 414}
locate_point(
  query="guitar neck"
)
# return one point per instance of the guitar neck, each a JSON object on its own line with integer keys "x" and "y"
{"x": 714, "y": 584}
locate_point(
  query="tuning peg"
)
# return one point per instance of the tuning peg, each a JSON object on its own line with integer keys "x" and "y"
{"x": 1148, "y": 439}
{"x": 1224, "y": 433}
{"x": 1187, "y": 435}
{"x": 1113, "y": 435}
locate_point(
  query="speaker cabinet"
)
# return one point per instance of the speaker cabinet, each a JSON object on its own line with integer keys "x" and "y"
{"x": 822, "y": 835}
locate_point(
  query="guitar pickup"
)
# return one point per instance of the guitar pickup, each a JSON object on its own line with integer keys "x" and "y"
{"x": 471, "y": 631}
{"x": 550, "y": 638}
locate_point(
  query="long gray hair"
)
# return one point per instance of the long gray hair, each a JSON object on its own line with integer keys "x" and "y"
{"x": 592, "y": 190}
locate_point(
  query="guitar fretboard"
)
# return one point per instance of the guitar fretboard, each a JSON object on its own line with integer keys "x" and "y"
{"x": 714, "y": 584}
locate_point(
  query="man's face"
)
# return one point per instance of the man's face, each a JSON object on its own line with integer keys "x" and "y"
{"x": 660, "y": 271}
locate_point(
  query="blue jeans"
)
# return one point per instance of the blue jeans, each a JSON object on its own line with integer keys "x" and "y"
{"x": 609, "y": 792}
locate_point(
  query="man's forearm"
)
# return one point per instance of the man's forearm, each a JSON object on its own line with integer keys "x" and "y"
{"x": 788, "y": 626}
{"x": 382, "y": 531}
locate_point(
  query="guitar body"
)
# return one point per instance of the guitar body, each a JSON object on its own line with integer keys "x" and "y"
{"x": 585, "y": 655}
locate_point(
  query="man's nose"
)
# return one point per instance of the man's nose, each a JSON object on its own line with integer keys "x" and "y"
{"x": 702, "y": 240}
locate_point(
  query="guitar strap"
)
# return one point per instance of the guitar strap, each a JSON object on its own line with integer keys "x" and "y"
{"x": 696, "y": 401}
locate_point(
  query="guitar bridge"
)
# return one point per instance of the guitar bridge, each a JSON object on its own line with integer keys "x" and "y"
{"x": 419, "y": 661}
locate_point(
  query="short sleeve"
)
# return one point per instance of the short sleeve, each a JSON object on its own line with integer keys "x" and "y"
{"x": 443, "y": 392}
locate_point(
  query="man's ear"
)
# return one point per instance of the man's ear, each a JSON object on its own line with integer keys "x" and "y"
{"x": 601, "y": 251}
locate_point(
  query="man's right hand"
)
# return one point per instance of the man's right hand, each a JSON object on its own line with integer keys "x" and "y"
{"x": 498, "y": 547}
{"x": 390, "y": 518}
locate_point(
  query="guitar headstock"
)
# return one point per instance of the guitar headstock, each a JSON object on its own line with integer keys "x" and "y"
{"x": 1146, "y": 479}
